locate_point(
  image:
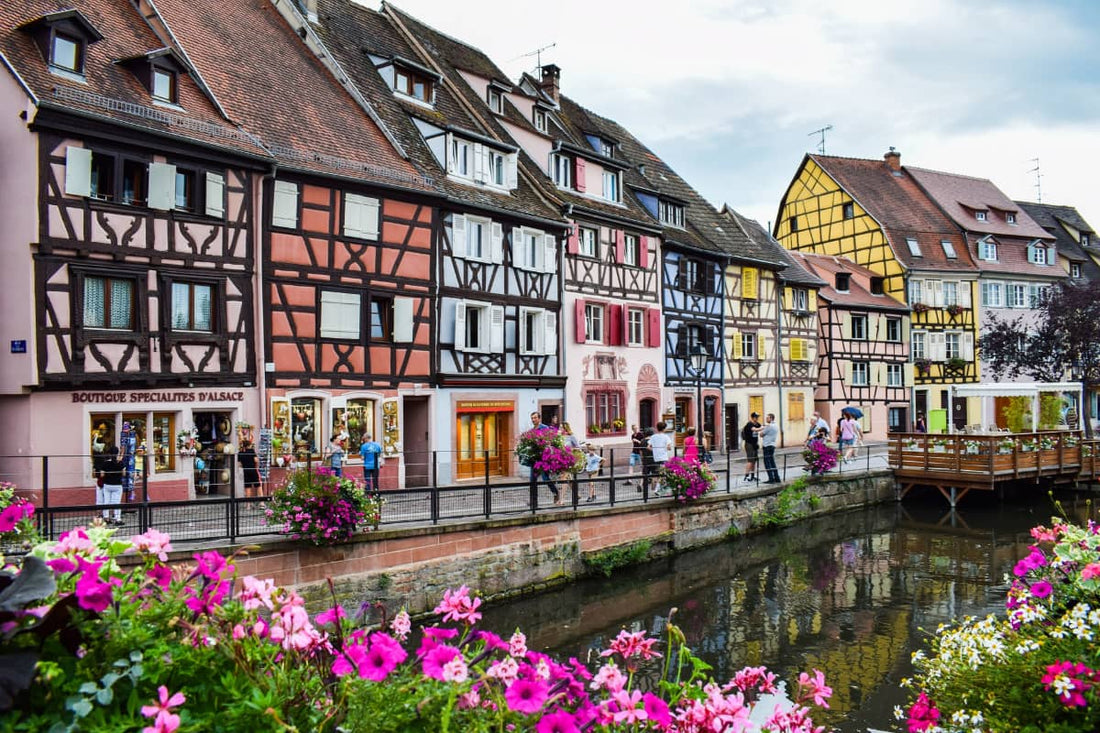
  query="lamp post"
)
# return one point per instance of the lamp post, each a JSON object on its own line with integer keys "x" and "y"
{"x": 699, "y": 365}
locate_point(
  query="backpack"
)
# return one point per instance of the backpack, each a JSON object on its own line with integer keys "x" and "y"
{"x": 747, "y": 434}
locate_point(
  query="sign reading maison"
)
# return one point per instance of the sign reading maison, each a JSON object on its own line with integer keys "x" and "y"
{"x": 156, "y": 397}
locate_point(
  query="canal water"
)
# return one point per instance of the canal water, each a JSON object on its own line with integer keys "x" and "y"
{"x": 851, "y": 594}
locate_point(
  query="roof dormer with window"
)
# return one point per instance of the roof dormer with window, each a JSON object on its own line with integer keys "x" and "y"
{"x": 494, "y": 96}
{"x": 670, "y": 213}
{"x": 159, "y": 72}
{"x": 1039, "y": 253}
{"x": 472, "y": 158}
{"x": 408, "y": 79}
{"x": 602, "y": 145}
{"x": 63, "y": 39}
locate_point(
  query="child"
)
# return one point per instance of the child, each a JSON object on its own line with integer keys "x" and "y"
{"x": 592, "y": 461}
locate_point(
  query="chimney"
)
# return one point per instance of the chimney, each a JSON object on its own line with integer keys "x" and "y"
{"x": 893, "y": 159}
{"x": 551, "y": 75}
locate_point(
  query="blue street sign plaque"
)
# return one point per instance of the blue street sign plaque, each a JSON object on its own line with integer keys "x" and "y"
{"x": 19, "y": 347}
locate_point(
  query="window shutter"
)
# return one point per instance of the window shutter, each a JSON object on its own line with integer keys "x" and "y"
{"x": 654, "y": 316}
{"x": 788, "y": 297}
{"x": 937, "y": 290}
{"x": 907, "y": 373}
{"x": 578, "y": 175}
{"x": 848, "y": 373}
{"x": 339, "y": 315}
{"x": 905, "y": 325}
{"x": 643, "y": 252}
{"x": 450, "y": 153}
{"x": 549, "y": 254}
{"x": 876, "y": 374}
{"x": 402, "y": 320}
{"x": 937, "y": 345}
{"x": 681, "y": 274}
{"x": 798, "y": 348}
{"x": 215, "y": 194}
{"x": 681, "y": 339}
{"x": 615, "y": 325}
{"x": 620, "y": 245}
{"x": 496, "y": 329}
{"x": 162, "y": 186}
{"x": 460, "y": 325}
{"x": 284, "y": 205}
{"x": 968, "y": 346}
{"x": 964, "y": 294}
{"x": 78, "y": 171}
{"x": 574, "y": 244}
{"x": 458, "y": 235}
{"x": 578, "y": 321}
{"x": 550, "y": 340}
{"x": 735, "y": 347}
{"x": 481, "y": 168}
{"x": 750, "y": 283}
{"x": 929, "y": 297}
{"x": 846, "y": 328}
{"x": 761, "y": 347}
{"x": 496, "y": 251}
{"x": 519, "y": 258}
{"x": 811, "y": 300}
{"x": 511, "y": 176}
{"x": 625, "y": 325}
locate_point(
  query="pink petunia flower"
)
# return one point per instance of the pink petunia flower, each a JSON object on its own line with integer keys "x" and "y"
{"x": 456, "y": 670}
{"x": 161, "y": 575}
{"x": 1041, "y": 589}
{"x": 434, "y": 660}
{"x": 558, "y": 721}
{"x": 92, "y": 593}
{"x": 526, "y": 695}
{"x": 1090, "y": 571}
{"x": 656, "y": 710}
{"x": 331, "y": 616}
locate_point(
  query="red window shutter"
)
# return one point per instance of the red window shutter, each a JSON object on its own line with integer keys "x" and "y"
{"x": 643, "y": 252}
{"x": 625, "y": 324}
{"x": 579, "y": 321}
{"x": 615, "y": 325}
{"x": 654, "y": 315}
{"x": 574, "y": 244}
{"x": 620, "y": 245}
{"x": 578, "y": 174}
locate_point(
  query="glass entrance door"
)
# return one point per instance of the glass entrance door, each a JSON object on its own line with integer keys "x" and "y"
{"x": 478, "y": 433}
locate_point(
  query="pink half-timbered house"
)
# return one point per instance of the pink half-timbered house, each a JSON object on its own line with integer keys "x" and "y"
{"x": 128, "y": 273}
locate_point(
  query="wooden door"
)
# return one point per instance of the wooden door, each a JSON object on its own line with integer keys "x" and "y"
{"x": 417, "y": 455}
{"x": 478, "y": 434}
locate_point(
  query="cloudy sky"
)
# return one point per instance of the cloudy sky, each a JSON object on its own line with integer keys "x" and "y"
{"x": 728, "y": 91}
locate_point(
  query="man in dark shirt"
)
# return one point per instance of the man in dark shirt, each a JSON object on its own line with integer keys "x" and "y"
{"x": 536, "y": 425}
{"x": 111, "y": 470}
{"x": 752, "y": 446}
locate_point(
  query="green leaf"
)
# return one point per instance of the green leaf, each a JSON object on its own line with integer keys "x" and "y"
{"x": 88, "y": 688}
{"x": 34, "y": 583}
{"x": 109, "y": 679}
{"x": 105, "y": 696}
{"x": 79, "y": 706}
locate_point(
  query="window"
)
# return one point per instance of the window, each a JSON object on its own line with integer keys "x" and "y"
{"x": 164, "y": 85}
{"x": 671, "y": 214}
{"x": 538, "y": 331}
{"x": 980, "y": 215}
{"x": 914, "y": 247}
{"x": 360, "y": 216}
{"x": 527, "y": 246}
{"x": 948, "y": 249}
{"x": 561, "y": 170}
{"x": 357, "y": 418}
{"x": 611, "y": 185}
{"x": 859, "y": 328}
{"x": 133, "y": 182}
{"x": 748, "y": 346}
{"x": 1084, "y": 239}
{"x": 630, "y": 250}
{"x": 496, "y": 100}
{"x": 339, "y": 315}
{"x": 103, "y": 177}
{"x": 987, "y": 250}
{"x": 593, "y": 323}
{"x": 67, "y": 52}
{"x": 635, "y": 327}
{"x": 1075, "y": 269}
{"x": 796, "y": 406}
{"x": 893, "y": 330}
{"x": 861, "y": 373}
{"x": 588, "y": 242}
{"x": 895, "y": 375}
{"x": 843, "y": 280}
{"x": 185, "y": 199}
{"x": 1010, "y": 217}
{"x": 916, "y": 292}
{"x": 460, "y": 162}
{"x": 993, "y": 295}
{"x": 950, "y": 293}
{"x": 849, "y": 210}
{"x": 473, "y": 330}
{"x": 1037, "y": 254}
{"x": 603, "y": 411}
{"x": 413, "y": 84}
{"x": 794, "y": 223}
{"x": 539, "y": 117}
{"x": 878, "y": 285}
{"x": 108, "y": 303}
{"x": 381, "y": 318}
{"x": 895, "y": 420}
{"x": 800, "y": 299}
{"x": 1018, "y": 295}
{"x": 1036, "y": 294}
{"x": 800, "y": 350}
{"x": 192, "y": 307}
{"x": 497, "y": 167}
{"x": 607, "y": 149}
{"x": 691, "y": 275}
{"x": 952, "y": 345}
{"x": 917, "y": 342}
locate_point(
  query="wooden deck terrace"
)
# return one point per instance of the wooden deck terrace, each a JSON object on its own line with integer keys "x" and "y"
{"x": 958, "y": 463}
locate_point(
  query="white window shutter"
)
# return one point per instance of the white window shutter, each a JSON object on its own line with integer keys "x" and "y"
{"x": 938, "y": 291}
{"x": 339, "y": 315}
{"x": 929, "y": 295}
{"x": 496, "y": 329}
{"x": 905, "y": 330}
{"x": 284, "y": 205}
{"x": 964, "y": 294}
{"x": 451, "y": 153}
{"x": 550, "y": 341}
{"x": 215, "y": 194}
{"x": 369, "y": 219}
{"x": 162, "y": 186}
{"x": 876, "y": 373}
{"x": 78, "y": 171}
{"x": 549, "y": 253}
{"x": 458, "y": 235}
{"x": 460, "y": 325}
{"x": 481, "y": 169}
{"x": 352, "y": 215}
{"x": 968, "y": 346}
{"x": 511, "y": 176}
{"x": 496, "y": 251}
{"x": 518, "y": 258}
{"x": 907, "y": 371}
{"x": 402, "y": 320}
{"x": 937, "y": 343}
{"x": 846, "y": 329}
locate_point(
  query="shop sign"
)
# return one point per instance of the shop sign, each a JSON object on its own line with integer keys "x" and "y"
{"x": 484, "y": 406}
{"x": 161, "y": 397}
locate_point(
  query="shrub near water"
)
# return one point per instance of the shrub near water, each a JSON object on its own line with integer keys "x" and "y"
{"x": 316, "y": 505}
{"x": 196, "y": 648}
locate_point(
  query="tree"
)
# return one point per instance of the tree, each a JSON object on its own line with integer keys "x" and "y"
{"x": 1062, "y": 336}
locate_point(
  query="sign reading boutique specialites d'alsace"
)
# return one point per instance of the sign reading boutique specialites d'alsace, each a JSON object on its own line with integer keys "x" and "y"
{"x": 156, "y": 397}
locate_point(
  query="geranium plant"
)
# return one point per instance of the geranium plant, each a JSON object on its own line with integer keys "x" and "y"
{"x": 197, "y": 648}
{"x": 820, "y": 458}
{"x": 1033, "y": 667}
{"x": 543, "y": 449}
{"x": 686, "y": 480}
{"x": 316, "y": 505}
{"x": 16, "y": 520}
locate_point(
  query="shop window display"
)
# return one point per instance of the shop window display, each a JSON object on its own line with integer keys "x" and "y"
{"x": 305, "y": 419}
{"x": 355, "y": 419}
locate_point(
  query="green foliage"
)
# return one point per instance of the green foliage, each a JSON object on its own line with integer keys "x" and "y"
{"x": 1050, "y": 410}
{"x": 786, "y": 507}
{"x": 607, "y": 561}
{"x": 1017, "y": 414}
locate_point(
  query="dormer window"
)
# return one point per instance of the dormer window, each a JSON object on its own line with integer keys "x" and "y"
{"x": 607, "y": 149}
{"x": 496, "y": 100}
{"x": 1084, "y": 240}
{"x": 1010, "y": 218}
{"x": 914, "y": 247}
{"x": 671, "y": 214}
{"x": 158, "y": 71}
{"x": 164, "y": 85}
{"x": 539, "y": 118}
{"x": 987, "y": 250}
{"x": 980, "y": 215}
{"x": 1038, "y": 254}
{"x": 794, "y": 223}
{"x": 843, "y": 282}
{"x": 849, "y": 210}
{"x": 480, "y": 163}
{"x": 611, "y": 185}
{"x": 63, "y": 39}
{"x": 413, "y": 84}
{"x": 407, "y": 78}
{"x": 561, "y": 170}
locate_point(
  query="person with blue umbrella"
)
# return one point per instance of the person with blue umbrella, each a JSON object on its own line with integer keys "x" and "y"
{"x": 850, "y": 432}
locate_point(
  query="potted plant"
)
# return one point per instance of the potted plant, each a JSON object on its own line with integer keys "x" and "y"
{"x": 939, "y": 445}
{"x": 924, "y": 366}
{"x": 1029, "y": 445}
{"x": 910, "y": 444}
{"x": 954, "y": 310}
{"x": 971, "y": 447}
{"x": 1007, "y": 445}
{"x": 594, "y": 429}
{"x": 921, "y": 308}
{"x": 618, "y": 423}
{"x": 956, "y": 363}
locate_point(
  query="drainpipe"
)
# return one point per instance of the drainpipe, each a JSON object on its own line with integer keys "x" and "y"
{"x": 261, "y": 337}
{"x": 779, "y": 355}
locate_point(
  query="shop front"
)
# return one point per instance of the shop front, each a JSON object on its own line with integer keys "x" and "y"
{"x": 483, "y": 431}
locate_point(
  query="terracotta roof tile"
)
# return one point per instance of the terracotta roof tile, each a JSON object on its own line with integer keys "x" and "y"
{"x": 1012, "y": 258}
{"x": 1051, "y": 218}
{"x": 858, "y": 294}
{"x": 960, "y": 196}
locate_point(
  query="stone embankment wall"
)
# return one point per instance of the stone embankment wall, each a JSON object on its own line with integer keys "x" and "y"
{"x": 411, "y": 567}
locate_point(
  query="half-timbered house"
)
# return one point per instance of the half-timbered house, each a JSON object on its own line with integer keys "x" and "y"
{"x": 497, "y": 356}
{"x": 874, "y": 213}
{"x": 611, "y": 312}
{"x": 863, "y": 348}
{"x": 128, "y": 285}
{"x": 346, "y": 245}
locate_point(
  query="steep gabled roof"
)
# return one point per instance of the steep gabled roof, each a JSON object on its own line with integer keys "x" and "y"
{"x": 791, "y": 270}
{"x": 901, "y": 208}
{"x": 960, "y": 196}
{"x": 1052, "y": 218}
{"x": 109, "y": 91}
{"x": 353, "y": 33}
{"x": 267, "y": 80}
{"x": 857, "y": 296}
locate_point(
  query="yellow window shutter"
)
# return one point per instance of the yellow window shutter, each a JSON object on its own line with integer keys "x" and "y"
{"x": 750, "y": 283}
{"x": 812, "y": 300}
{"x": 787, "y": 296}
{"x": 907, "y": 371}
{"x": 798, "y": 349}
{"x": 736, "y": 350}
{"x": 760, "y": 347}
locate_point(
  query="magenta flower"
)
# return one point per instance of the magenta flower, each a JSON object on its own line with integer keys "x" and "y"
{"x": 1069, "y": 681}
{"x": 435, "y": 660}
{"x": 558, "y": 721}
{"x": 384, "y": 656}
{"x": 517, "y": 645}
{"x": 922, "y": 714}
{"x": 211, "y": 565}
{"x": 161, "y": 575}
{"x": 13, "y": 514}
{"x": 166, "y": 721}
{"x": 815, "y": 687}
{"x": 628, "y": 645}
{"x": 1090, "y": 571}
{"x": 401, "y": 624}
{"x": 656, "y": 710}
{"x": 1041, "y": 589}
{"x": 331, "y": 616}
{"x": 458, "y": 606}
{"x": 526, "y": 696}
{"x": 92, "y": 593}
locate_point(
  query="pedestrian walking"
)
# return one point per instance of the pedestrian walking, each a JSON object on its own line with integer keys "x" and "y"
{"x": 637, "y": 443}
{"x": 335, "y": 456}
{"x": 691, "y": 446}
{"x": 543, "y": 475}
{"x": 660, "y": 445}
{"x": 592, "y": 462}
{"x": 249, "y": 468}
{"x": 111, "y": 470}
{"x": 371, "y": 453}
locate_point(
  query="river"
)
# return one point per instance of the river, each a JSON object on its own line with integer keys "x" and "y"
{"x": 851, "y": 594}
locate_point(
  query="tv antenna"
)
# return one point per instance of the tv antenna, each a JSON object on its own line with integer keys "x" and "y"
{"x": 1038, "y": 180}
{"x": 821, "y": 131}
{"x": 537, "y": 53}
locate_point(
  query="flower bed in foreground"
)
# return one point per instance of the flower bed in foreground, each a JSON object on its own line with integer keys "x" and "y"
{"x": 87, "y": 646}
